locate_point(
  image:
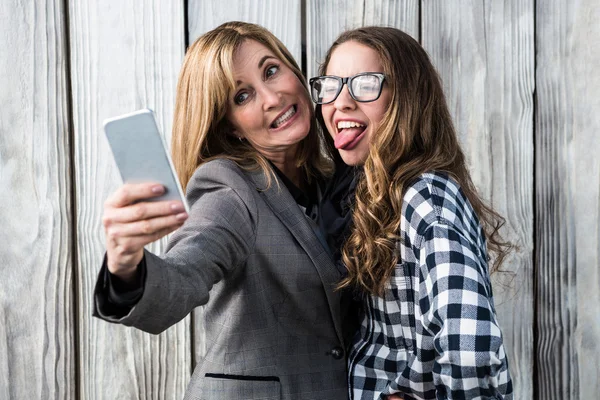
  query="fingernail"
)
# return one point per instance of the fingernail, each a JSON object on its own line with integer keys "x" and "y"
{"x": 181, "y": 216}
{"x": 176, "y": 207}
{"x": 158, "y": 189}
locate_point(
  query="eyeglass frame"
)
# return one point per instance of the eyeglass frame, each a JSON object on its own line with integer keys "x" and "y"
{"x": 347, "y": 81}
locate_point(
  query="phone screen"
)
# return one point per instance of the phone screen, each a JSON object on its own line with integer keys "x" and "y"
{"x": 140, "y": 153}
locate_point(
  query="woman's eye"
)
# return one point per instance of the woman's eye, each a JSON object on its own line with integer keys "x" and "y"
{"x": 240, "y": 98}
{"x": 329, "y": 89}
{"x": 272, "y": 70}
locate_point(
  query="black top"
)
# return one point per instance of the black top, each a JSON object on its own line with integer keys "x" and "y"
{"x": 335, "y": 222}
{"x": 335, "y": 209}
{"x": 307, "y": 200}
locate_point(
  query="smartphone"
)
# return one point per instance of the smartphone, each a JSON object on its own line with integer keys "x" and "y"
{"x": 140, "y": 153}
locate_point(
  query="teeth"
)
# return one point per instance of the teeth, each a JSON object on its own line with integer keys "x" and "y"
{"x": 349, "y": 124}
{"x": 289, "y": 114}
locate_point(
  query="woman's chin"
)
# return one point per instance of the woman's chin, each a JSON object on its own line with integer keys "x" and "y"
{"x": 352, "y": 158}
{"x": 353, "y": 162}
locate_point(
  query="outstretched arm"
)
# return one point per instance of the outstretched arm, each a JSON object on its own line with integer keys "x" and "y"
{"x": 216, "y": 239}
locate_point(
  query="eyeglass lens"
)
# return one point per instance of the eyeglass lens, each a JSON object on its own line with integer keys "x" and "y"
{"x": 364, "y": 87}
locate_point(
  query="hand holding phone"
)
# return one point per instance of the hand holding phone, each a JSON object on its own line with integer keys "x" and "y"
{"x": 140, "y": 153}
{"x": 139, "y": 212}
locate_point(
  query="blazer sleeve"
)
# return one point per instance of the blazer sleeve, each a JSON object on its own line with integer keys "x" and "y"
{"x": 216, "y": 239}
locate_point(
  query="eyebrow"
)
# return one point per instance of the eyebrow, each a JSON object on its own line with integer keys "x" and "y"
{"x": 261, "y": 62}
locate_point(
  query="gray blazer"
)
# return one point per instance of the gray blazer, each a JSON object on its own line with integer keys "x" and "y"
{"x": 271, "y": 320}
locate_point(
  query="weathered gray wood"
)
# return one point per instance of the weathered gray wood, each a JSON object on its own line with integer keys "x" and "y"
{"x": 280, "y": 17}
{"x": 484, "y": 53}
{"x": 568, "y": 199}
{"x": 326, "y": 19}
{"x": 37, "y": 358}
{"x": 126, "y": 55}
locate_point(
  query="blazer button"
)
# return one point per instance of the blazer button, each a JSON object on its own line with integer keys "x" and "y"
{"x": 337, "y": 353}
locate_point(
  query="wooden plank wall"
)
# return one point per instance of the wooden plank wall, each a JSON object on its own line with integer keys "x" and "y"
{"x": 37, "y": 319}
{"x": 124, "y": 56}
{"x": 521, "y": 84}
{"x": 567, "y": 199}
{"x": 485, "y": 57}
{"x": 283, "y": 18}
{"x": 326, "y": 19}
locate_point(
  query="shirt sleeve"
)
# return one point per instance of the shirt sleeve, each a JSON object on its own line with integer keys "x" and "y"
{"x": 116, "y": 297}
{"x": 457, "y": 311}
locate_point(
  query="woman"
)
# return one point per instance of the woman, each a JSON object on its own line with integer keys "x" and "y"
{"x": 417, "y": 250}
{"x": 246, "y": 149}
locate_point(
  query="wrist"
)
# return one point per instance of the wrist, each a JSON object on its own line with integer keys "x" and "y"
{"x": 126, "y": 273}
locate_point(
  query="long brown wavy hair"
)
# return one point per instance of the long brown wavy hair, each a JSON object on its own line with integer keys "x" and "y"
{"x": 415, "y": 136}
{"x": 201, "y": 131}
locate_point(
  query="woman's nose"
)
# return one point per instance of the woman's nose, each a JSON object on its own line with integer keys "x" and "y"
{"x": 344, "y": 101}
{"x": 271, "y": 97}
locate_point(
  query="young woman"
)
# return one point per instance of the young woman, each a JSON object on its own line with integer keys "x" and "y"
{"x": 418, "y": 248}
{"x": 247, "y": 151}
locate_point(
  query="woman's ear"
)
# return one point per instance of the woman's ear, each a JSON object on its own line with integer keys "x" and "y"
{"x": 236, "y": 134}
{"x": 230, "y": 130}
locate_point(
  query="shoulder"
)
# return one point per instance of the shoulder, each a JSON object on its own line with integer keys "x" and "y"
{"x": 218, "y": 170}
{"x": 223, "y": 176}
{"x": 434, "y": 198}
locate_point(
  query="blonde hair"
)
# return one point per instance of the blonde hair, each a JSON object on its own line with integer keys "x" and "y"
{"x": 201, "y": 131}
{"x": 416, "y": 135}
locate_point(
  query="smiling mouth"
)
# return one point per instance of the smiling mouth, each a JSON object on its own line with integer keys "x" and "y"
{"x": 284, "y": 118}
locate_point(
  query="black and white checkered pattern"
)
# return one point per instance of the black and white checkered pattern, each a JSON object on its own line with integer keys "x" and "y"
{"x": 434, "y": 335}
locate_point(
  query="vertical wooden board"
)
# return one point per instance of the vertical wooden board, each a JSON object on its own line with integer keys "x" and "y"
{"x": 36, "y": 296}
{"x": 484, "y": 53}
{"x": 126, "y": 55}
{"x": 568, "y": 199}
{"x": 326, "y": 19}
{"x": 280, "y": 17}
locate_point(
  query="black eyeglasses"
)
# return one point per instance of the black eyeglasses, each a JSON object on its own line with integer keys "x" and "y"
{"x": 363, "y": 87}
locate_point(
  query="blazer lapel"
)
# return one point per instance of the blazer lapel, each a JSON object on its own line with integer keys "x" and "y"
{"x": 285, "y": 208}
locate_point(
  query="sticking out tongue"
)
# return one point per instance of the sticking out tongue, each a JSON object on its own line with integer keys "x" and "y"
{"x": 346, "y": 136}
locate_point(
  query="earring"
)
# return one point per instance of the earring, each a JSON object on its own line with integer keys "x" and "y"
{"x": 241, "y": 139}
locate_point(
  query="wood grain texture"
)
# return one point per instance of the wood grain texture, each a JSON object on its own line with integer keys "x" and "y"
{"x": 568, "y": 199}
{"x": 484, "y": 53}
{"x": 37, "y": 358}
{"x": 280, "y": 17}
{"x": 326, "y": 19}
{"x": 126, "y": 55}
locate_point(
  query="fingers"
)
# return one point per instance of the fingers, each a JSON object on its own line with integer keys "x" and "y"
{"x": 124, "y": 248}
{"x": 130, "y": 193}
{"x": 140, "y": 211}
{"x": 125, "y": 251}
{"x": 130, "y": 223}
{"x": 149, "y": 227}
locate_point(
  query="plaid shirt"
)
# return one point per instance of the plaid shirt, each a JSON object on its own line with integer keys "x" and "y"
{"x": 434, "y": 334}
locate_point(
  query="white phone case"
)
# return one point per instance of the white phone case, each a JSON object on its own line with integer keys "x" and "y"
{"x": 140, "y": 153}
